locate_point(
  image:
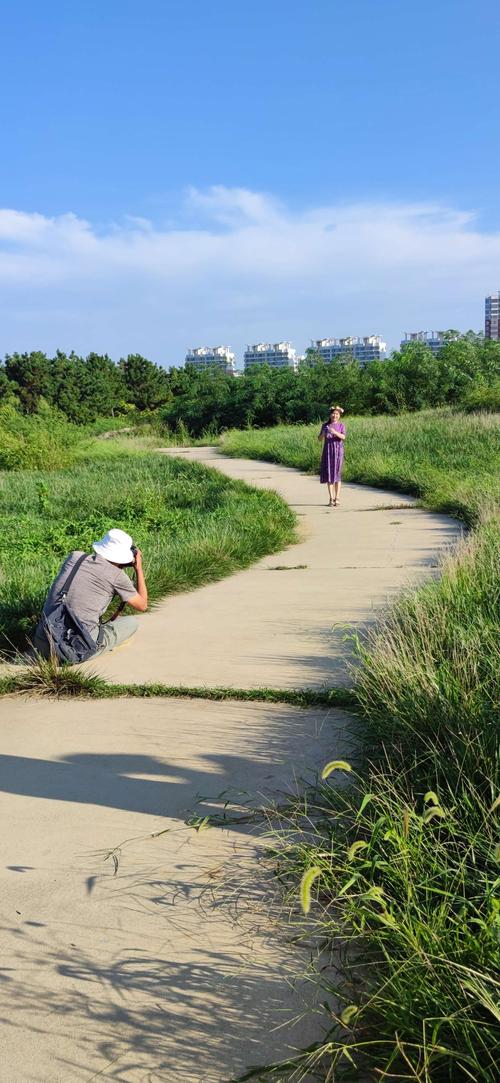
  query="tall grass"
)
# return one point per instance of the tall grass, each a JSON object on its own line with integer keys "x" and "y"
{"x": 193, "y": 524}
{"x": 406, "y": 858}
{"x": 45, "y": 440}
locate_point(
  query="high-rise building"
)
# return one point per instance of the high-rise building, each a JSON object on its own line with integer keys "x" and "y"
{"x": 278, "y": 356}
{"x": 492, "y": 316}
{"x": 204, "y": 357}
{"x": 353, "y": 348}
{"x": 434, "y": 340}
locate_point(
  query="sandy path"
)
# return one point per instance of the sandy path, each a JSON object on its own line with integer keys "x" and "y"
{"x": 275, "y": 629}
{"x": 171, "y": 970}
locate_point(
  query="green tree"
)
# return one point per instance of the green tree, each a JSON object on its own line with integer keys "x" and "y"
{"x": 411, "y": 378}
{"x": 30, "y": 375}
{"x": 6, "y": 387}
{"x": 147, "y": 385}
{"x": 102, "y": 387}
{"x": 66, "y": 372}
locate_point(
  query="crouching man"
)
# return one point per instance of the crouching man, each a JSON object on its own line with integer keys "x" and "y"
{"x": 70, "y": 627}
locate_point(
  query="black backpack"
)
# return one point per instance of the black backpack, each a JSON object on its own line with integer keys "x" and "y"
{"x": 69, "y": 639}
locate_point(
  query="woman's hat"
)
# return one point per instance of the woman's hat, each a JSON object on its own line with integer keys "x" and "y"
{"x": 115, "y": 546}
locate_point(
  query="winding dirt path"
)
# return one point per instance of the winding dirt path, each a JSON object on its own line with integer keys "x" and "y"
{"x": 169, "y": 967}
{"x": 282, "y": 622}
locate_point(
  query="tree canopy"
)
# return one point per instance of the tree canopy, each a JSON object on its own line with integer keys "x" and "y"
{"x": 466, "y": 369}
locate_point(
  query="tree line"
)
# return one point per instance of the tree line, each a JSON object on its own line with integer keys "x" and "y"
{"x": 465, "y": 371}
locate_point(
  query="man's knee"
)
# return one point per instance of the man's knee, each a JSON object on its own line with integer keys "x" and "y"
{"x": 128, "y": 626}
{"x": 118, "y": 631}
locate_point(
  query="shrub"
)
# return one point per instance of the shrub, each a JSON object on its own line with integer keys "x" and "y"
{"x": 41, "y": 441}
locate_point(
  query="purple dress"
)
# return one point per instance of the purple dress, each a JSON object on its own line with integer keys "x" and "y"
{"x": 333, "y": 453}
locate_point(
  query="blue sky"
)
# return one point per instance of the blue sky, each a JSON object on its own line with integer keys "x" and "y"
{"x": 178, "y": 173}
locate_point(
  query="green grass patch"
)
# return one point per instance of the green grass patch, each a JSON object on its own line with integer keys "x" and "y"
{"x": 193, "y": 524}
{"x": 48, "y": 678}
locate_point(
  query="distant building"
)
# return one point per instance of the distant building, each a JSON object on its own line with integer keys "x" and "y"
{"x": 492, "y": 317}
{"x": 204, "y": 357}
{"x": 353, "y": 348}
{"x": 278, "y": 356}
{"x": 434, "y": 340}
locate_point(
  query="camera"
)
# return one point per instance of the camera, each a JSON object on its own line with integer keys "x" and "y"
{"x": 134, "y": 551}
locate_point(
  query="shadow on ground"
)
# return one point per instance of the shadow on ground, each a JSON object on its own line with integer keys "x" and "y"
{"x": 139, "y": 1017}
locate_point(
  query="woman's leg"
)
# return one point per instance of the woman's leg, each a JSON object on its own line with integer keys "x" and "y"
{"x": 337, "y": 491}
{"x": 330, "y": 492}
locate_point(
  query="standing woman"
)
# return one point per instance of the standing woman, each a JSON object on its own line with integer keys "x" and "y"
{"x": 333, "y": 435}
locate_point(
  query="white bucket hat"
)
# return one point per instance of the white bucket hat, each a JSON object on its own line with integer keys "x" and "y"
{"x": 116, "y": 546}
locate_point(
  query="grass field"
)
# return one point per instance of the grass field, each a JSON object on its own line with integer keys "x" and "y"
{"x": 449, "y": 460}
{"x": 193, "y": 524}
{"x": 404, "y": 863}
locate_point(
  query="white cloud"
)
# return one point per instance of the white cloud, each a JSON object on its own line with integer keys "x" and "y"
{"x": 239, "y": 266}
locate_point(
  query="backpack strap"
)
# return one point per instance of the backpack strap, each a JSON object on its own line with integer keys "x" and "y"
{"x": 71, "y": 576}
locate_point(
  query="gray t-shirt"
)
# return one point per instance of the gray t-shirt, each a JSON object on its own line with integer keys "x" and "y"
{"x": 92, "y": 589}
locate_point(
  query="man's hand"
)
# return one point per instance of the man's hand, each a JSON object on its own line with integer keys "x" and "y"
{"x": 139, "y": 600}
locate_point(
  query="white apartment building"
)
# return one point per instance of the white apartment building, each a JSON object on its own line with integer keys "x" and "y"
{"x": 278, "y": 356}
{"x": 353, "y": 348}
{"x": 492, "y": 317}
{"x": 433, "y": 339}
{"x": 204, "y": 357}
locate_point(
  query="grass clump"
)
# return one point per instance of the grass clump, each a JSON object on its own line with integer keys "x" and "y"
{"x": 405, "y": 894}
{"x": 46, "y": 677}
{"x": 193, "y": 524}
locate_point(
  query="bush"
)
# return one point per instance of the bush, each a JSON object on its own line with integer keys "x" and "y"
{"x": 41, "y": 441}
{"x": 483, "y": 397}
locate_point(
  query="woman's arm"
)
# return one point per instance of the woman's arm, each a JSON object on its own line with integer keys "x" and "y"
{"x": 339, "y": 434}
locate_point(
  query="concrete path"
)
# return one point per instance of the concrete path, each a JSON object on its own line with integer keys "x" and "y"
{"x": 287, "y": 628}
{"x": 172, "y": 970}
